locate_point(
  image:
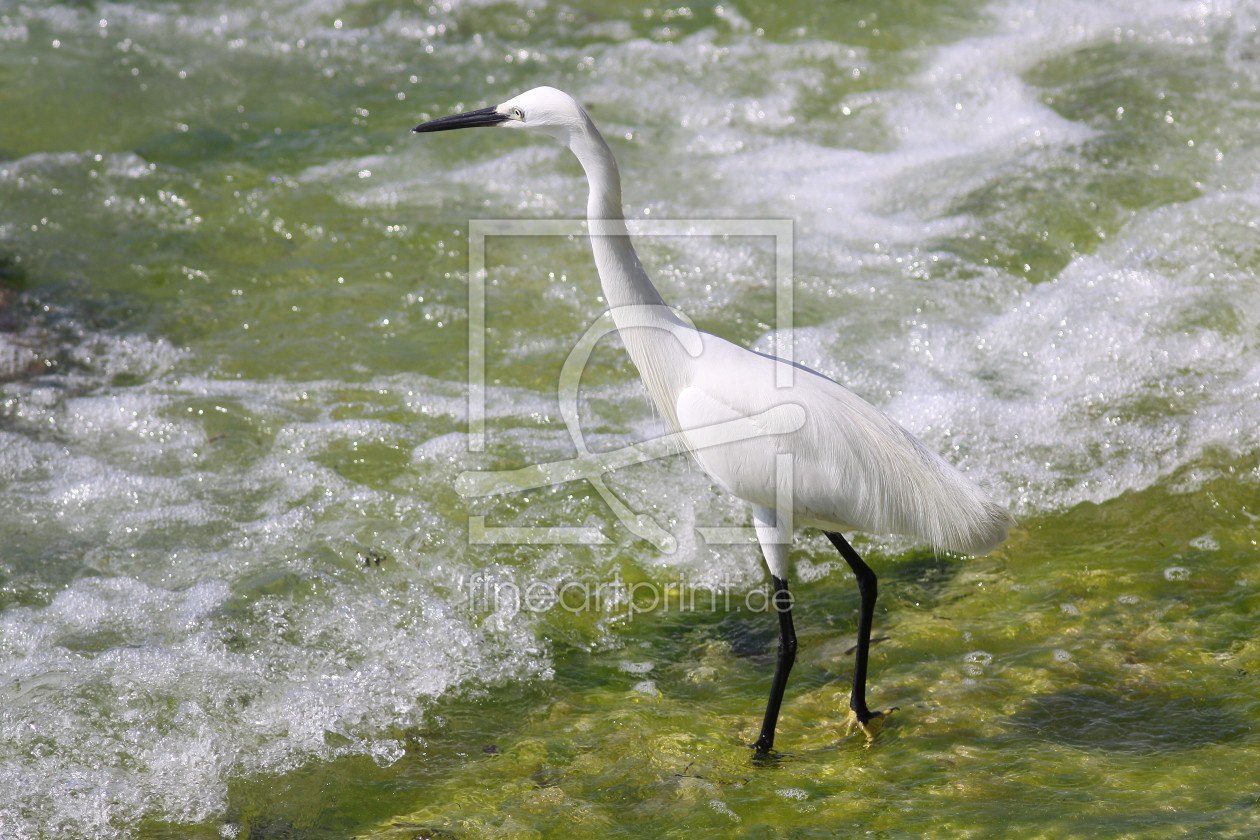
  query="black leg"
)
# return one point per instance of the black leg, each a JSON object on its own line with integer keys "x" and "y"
{"x": 787, "y": 655}
{"x": 868, "y": 588}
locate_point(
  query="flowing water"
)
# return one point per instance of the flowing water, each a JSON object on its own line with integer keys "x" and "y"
{"x": 242, "y": 597}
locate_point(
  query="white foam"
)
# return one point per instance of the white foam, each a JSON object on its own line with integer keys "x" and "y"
{"x": 1109, "y": 378}
{"x": 145, "y": 692}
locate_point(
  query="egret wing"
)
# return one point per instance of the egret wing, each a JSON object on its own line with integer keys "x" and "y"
{"x": 849, "y": 465}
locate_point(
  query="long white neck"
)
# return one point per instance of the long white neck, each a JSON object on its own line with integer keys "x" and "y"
{"x": 640, "y": 313}
{"x": 620, "y": 272}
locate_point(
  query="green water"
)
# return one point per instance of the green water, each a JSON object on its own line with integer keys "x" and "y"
{"x": 235, "y": 568}
{"x": 1088, "y": 681}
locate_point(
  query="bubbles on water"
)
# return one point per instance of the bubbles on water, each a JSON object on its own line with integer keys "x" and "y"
{"x": 635, "y": 667}
{"x": 807, "y": 571}
{"x": 1176, "y": 573}
{"x": 725, "y": 810}
{"x": 976, "y": 662}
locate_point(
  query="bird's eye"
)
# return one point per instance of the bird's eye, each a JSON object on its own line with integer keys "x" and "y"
{"x": 517, "y": 114}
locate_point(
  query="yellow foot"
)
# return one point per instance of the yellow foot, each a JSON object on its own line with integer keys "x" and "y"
{"x": 870, "y": 728}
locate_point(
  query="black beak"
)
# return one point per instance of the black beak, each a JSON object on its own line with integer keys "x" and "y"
{"x": 471, "y": 119}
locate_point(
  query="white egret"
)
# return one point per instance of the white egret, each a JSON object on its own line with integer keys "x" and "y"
{"x": 844, "y": 465}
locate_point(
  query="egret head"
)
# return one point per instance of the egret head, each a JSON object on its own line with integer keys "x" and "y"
{"x": 544, "y": 108}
